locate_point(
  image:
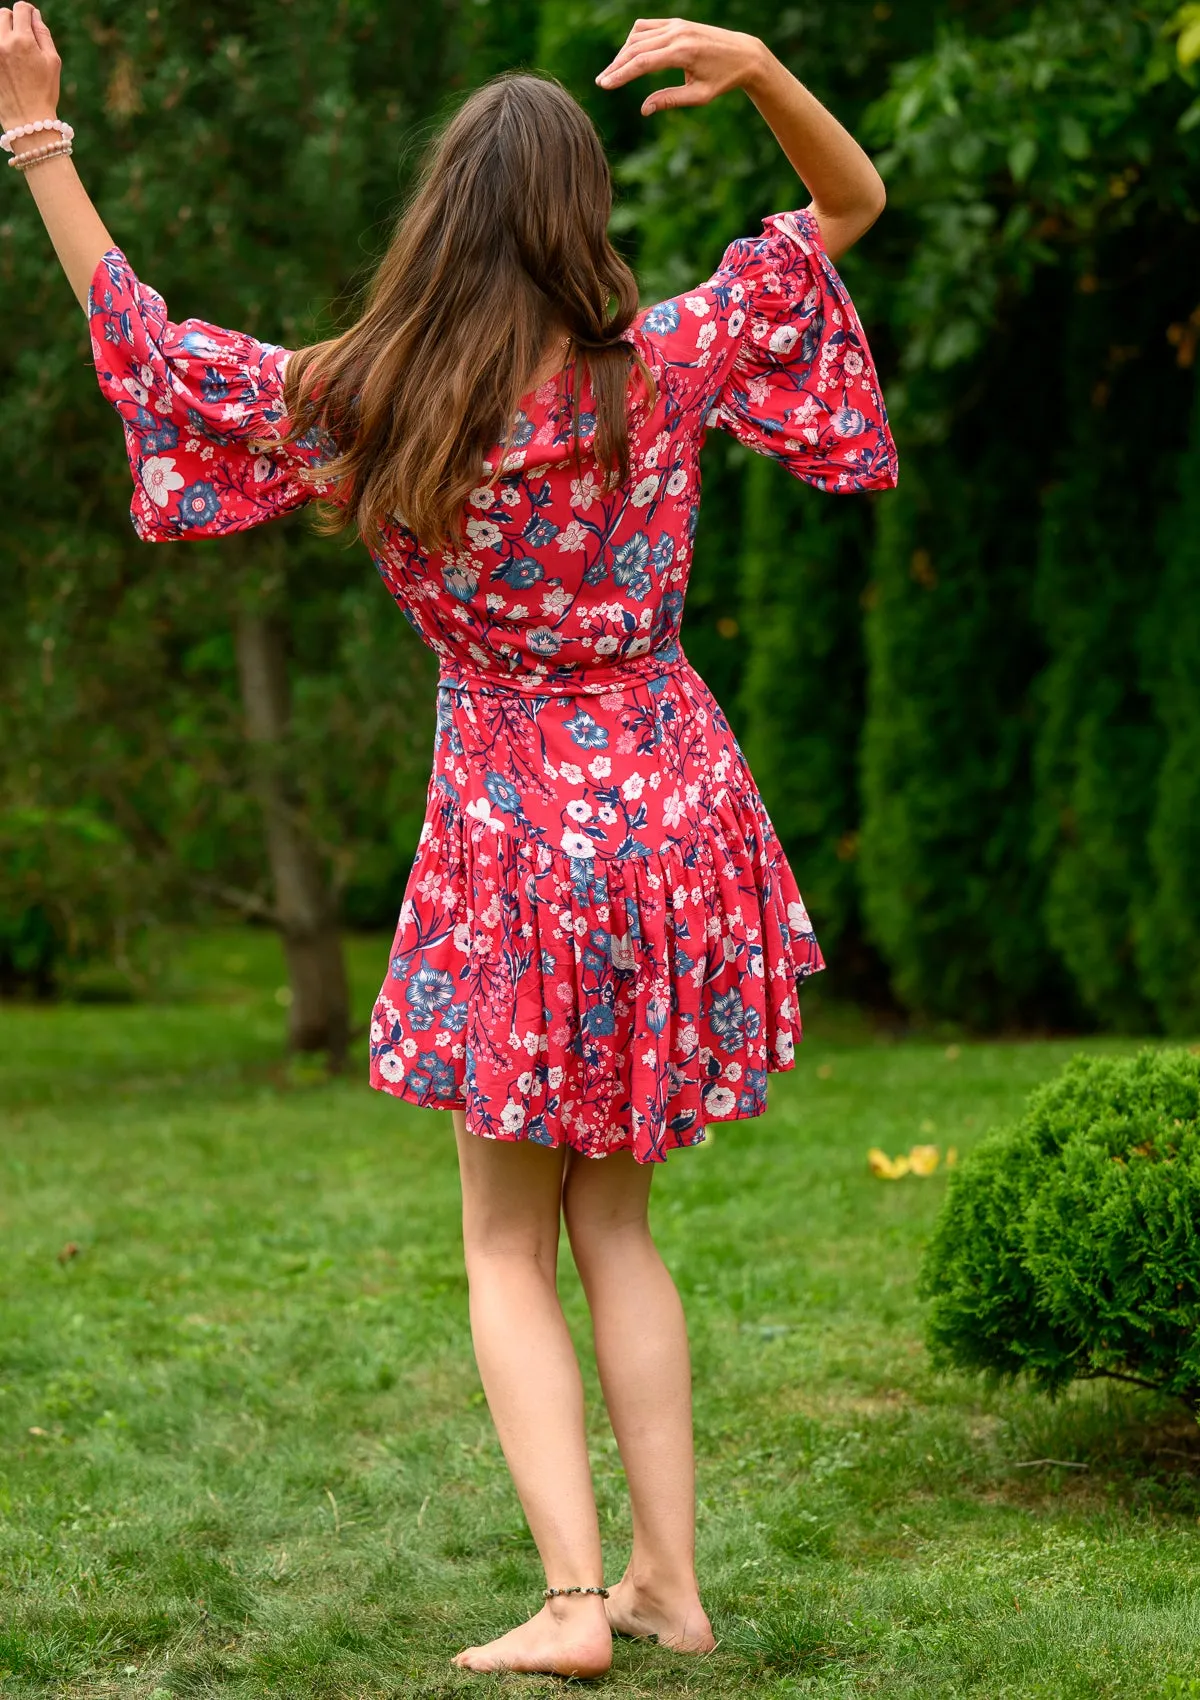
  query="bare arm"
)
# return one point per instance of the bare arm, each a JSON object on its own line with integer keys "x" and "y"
{"x": 29, "y": 74}
{"x": 847, "y": 191}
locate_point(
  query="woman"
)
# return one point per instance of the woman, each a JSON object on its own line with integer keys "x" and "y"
{"x": 600, "y": 939}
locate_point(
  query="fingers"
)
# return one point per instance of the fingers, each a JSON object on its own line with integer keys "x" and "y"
{"x": 5, "y": 22}
{"x": 677, "y": 94}
{"x": 642, "y": 64}
{"x": 41, "y": 33}
{"x": 22, "y": 18}
{"x": 645, "y": 34}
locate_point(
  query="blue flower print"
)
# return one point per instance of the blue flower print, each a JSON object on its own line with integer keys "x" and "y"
{"x": 599, "y": 1021}
{"x": 728, "y": 1017}
{"x": 522, "y": 430}
{"x": 433, "y": 1078}
{"x": 539, "y": 531}
{"x": 629, "y": 566}
{"x": 663, "y": 554}
{"x": 460, "y": 583}
{"x": 848, "y": 422}
{"x": 428, "y": 991}
{"x": 663, "y": 319}
{"x": 587, "y": 733}
{"x": 502, "y": 794}
{"x": 542, "y": 641}
{"x": 519, "y": 573}
{"x": 214, "y": 385}
{"x": 198, "y": 504}
{"x": 454, "y": 1019}
{"x": 160, "y": 437}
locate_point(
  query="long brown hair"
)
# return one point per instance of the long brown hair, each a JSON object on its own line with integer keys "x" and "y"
{"x": 505, "y": 238}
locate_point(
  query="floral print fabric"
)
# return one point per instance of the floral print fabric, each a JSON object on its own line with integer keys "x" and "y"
{"x": 600, "y": 938}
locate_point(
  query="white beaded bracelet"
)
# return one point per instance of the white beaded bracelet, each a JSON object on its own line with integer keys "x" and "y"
{"x": 23, "y": 161}
{"x": 10, "y": 136}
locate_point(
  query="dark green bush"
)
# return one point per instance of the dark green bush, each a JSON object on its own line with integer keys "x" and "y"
{"x": 68, "y": 896}
{"x": 1069, "y": 1245}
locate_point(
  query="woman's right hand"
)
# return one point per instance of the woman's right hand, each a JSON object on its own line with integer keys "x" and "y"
{"x": 712, "y": 61}
{"x": 29, "y": 71}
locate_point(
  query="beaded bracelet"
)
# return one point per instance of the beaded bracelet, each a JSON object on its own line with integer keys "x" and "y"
{"x": 553, "y": 1593}
{"x": 23, "y": 161}
{"x": 10, "y": 136}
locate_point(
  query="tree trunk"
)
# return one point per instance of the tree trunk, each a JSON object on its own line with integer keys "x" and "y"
{"x": 319, "y": 1016}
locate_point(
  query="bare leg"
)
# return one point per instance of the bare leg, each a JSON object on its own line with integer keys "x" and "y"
{"x": 642, "y": 1355}
{"x": 512, "y": 1196}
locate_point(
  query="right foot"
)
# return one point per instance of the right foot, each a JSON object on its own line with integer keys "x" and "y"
{"x": 679, "y": 1623}
{"x": 567, "y": 1638}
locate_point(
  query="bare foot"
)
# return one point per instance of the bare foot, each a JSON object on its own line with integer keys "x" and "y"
{"x": 676, "y": 1621}
{"x": 567, "y": 1638}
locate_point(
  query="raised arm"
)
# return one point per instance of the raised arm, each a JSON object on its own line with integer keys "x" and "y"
{"x": 847, "y": 191}
{"x": 29, "y": 74}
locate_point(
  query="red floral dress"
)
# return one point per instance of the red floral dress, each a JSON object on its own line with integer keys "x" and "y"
{"x": 600, "y": 939}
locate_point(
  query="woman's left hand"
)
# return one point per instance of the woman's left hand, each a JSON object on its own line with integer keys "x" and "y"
{"x": 29, "y": 68}
{"x": 712, "y": 61}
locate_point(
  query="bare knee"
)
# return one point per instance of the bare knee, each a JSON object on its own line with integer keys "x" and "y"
{"x": 605, "y": 1207}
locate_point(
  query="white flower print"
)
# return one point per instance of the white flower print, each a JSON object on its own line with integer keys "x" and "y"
{"x": 783, "y": 339}
{"x": 622, "y": 952}
{"x": 462, "y": 938}
{"x": 719, "y": 1101}
{"x": 512, "y": 1118}
{"x": 706, "y": 335}
{"x": 697, "y": 304}
{"x": 575, "y": 844}
{"x": 573, "y": 536}
{"x": 391, "y": 1067}
{"x": 736, "y": 320}
{"x": 785, "y": 1048}
{"x": 483, "y": 534}
{"x": 607, "y": 645}
{"x": 556, "y": 601}
{"x": 579, "y": 810}
{"x": 159, "y": 479}
{"x": 600, "y": 767}
{"x": 262, "y": 468}
{"x": 571, "y": 772}
{"x": 677, "y": 482}
{"x": 798, "y": 921}
{"x": 139, "y": 392}
{"x": 584, "y": 491}
{"x": 644, "y": 491}
{"x": 607, "y": 814}
{"x": 633, "y": 787}
{"x": 482, "y": 497}
{"x": 733, "y": 1072}
{"x": 672, "y": 811}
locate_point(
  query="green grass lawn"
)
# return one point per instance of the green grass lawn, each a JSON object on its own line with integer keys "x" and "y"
{"x": 245, "y": 1451}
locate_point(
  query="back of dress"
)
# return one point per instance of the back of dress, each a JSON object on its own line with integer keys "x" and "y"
{"x": 600, "y": 937}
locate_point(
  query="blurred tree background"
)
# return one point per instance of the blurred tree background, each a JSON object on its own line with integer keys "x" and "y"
{"x": 973, "y": 705}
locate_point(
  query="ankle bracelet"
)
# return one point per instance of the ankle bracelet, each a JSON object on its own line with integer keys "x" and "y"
{"x": 553, "y": 1593}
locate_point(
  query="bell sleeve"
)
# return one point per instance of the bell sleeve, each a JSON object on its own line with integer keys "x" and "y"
{"x": 771, "y": 350}
{"x": 203, "y": 413}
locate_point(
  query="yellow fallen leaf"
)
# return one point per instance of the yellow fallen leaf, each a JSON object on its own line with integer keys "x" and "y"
{"x": 923, "y": 1159}
{"x": 951, "y": 1156}
{"x": 886, "y": 1168}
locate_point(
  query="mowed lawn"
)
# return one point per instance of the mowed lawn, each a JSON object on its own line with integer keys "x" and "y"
{"x": 245, "y": 1451}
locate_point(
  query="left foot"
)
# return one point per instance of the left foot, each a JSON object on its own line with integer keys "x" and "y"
{"x": 566, "y": 1638}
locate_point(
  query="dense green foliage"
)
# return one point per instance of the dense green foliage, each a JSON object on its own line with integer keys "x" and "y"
{"x": 246, "y": 1452}
{"x": 973, "y": 705}
{"x": 1069, "y": 1244}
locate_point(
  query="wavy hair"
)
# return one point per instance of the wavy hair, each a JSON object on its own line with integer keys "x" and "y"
{"x": 504, "y": 240}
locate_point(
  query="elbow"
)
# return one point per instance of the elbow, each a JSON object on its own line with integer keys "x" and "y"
{"x": 874, "y": 201}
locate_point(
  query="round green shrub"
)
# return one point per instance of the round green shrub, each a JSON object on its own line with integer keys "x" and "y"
{"x": 1068, "y": 1246}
